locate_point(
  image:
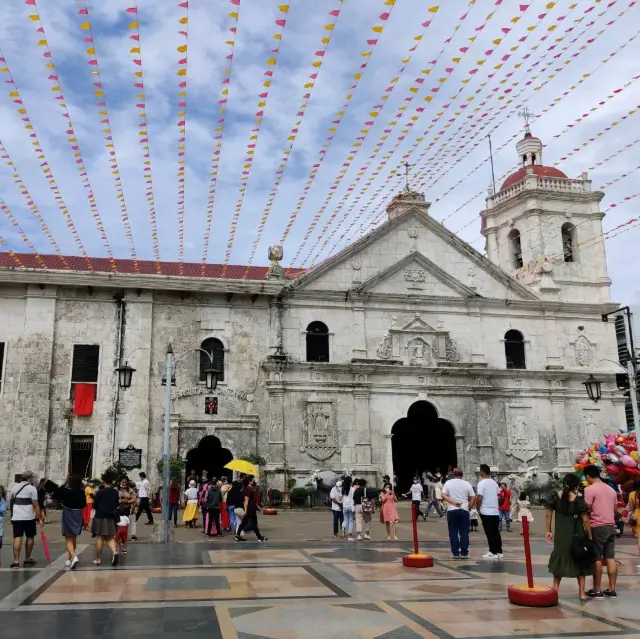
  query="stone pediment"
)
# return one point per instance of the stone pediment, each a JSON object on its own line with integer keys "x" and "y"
{"x": 418, "y": 275}
{"x": 416, "y": 325}
{"x": 392, "y": 261}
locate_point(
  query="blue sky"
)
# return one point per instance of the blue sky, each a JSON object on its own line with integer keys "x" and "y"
{"x": 207, "y": 28}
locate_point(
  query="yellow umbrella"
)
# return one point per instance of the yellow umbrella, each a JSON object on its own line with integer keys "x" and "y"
{"x": 243, "y": 466}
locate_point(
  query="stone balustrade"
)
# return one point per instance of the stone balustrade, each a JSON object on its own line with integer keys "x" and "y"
{"x": 533, "y": 182}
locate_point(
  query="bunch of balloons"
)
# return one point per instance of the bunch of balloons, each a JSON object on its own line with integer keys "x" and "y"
{"x": 617, "y": 459}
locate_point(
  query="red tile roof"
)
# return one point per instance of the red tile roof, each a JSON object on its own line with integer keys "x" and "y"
{"x": 144, "y": 267}
{"x": 540, "y": 171}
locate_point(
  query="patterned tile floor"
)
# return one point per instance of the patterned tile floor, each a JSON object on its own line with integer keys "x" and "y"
{"x": 305, "y": 590}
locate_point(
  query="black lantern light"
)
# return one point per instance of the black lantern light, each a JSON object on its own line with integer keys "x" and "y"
{"x": 125, "y": 374}
{"x": 211, "y": 378}
{"x": 594, "y": 388}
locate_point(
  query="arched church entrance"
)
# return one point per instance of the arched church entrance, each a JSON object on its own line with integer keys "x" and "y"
{"x": 210, "y": 456}
{"x": 422, "y": 441}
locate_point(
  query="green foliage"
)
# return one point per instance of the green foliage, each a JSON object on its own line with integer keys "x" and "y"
{"x": 291, "y": 482}
{"x": 299, "y": 496}
{"x": 255, "y": 459}
{"x": 117, "y": 471}
{"x": 176, "y": 467}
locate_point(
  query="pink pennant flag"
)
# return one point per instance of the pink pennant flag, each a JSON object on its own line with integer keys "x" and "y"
{"x": 281, "y": 23}
{"x": 132, "y": 10}
{"x": 82, "y": 12}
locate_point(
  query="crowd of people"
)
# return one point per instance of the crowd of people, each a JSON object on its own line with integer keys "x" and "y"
{"x": 110, "y": 511}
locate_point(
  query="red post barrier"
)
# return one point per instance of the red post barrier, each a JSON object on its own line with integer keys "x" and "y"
{"x": 531, "y": 595}
{"x": 416, "y": 559}
{"x": 527, "y": 551}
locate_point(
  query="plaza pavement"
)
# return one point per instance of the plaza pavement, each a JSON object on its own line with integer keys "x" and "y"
{"x": 301, "y": 583}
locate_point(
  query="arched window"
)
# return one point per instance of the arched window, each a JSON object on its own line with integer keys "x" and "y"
{"x": 215, "y": 348}
{"x": 516, "y": 248}
{"x": 568, "y": 231}
{"x": 514, "y": 349}
{"x": 317, "y": 342}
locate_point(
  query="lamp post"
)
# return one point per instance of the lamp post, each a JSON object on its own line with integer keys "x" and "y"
{"x": 125, "y": 378}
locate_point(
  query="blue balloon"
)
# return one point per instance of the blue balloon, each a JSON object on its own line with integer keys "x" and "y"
{"x": 603, "y": 449}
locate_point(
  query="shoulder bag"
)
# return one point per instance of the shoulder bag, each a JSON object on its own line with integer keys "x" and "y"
{"x": 582, "y": 548}
{"x": 12, "y": 501}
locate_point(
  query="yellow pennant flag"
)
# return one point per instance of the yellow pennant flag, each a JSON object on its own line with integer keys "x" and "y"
{"x": 183, "y": 20}
{"x": 85, "y": 26}
{"x": 182, "y": 48}
{"x": 433, "y": 9}
{"x": 329, "y": 27}
{"x": 181, "y": 72}
{"x": 283, "y": 8}
{"x": 377, "y": 29}
{"x": 133, "y": 25}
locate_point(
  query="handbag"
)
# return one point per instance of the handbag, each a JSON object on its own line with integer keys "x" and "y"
{"x": 582, "y": 548}
{"x": 368, "y": 506}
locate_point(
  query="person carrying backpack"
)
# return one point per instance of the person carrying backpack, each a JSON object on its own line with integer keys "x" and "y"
{"x": 213, "y": 502}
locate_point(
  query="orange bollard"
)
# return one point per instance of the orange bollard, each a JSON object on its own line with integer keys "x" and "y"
{"x": 416, "y": 559}
{"x": 531, "y": 595}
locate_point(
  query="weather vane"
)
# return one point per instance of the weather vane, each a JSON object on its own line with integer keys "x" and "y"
{"x": 407, "y": 166}
{"x": 526, "y": 115}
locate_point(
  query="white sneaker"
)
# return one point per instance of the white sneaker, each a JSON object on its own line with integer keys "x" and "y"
{"x": 67, "y": 564}
{"x": 359, "y": 538}
{"x": 367, "y": 536}
{"x": 500, "y": 555}
{"x": 74, "y": 562}
{"x": 490, "y": 555}
{"x": 350, "y": 538}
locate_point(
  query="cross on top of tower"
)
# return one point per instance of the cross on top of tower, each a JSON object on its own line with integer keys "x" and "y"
{"x": 526, "y": 115}
{"x": 407, "y": 166}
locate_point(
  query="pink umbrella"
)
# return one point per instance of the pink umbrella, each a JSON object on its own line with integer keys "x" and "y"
{"x": 45, "y": 547}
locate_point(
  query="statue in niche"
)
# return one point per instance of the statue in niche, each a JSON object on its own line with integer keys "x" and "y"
{"x": 520, "y": 431}
{"x": 418, "y": 352}
{"x": 320, "y": 423}
{"x": 451, "y": 353}
{"x": 386, "y": 347}
{"x": 583, "y": 351}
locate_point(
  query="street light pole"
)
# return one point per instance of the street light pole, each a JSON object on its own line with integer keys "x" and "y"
{"x": 166, "y": 445}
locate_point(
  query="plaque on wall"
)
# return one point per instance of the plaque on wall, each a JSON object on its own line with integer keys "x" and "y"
{"x": 130, "y": 457}
{"x": 211, "y": 405}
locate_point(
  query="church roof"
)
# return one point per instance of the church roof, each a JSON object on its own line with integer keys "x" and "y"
{"x": 145, "y": 267}
{"x": 540, "y": 171}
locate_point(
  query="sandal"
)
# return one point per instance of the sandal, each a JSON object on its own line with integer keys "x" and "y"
{"x": 97, "y": 562}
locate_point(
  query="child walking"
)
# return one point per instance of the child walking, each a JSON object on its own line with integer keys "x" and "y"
{"x": 473, "y": 520}
{"x": 122, "y": 528}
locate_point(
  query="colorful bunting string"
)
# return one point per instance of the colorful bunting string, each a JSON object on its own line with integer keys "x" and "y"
{"x": 255, "y": 132}
{"x": 21, "y": 109}
{"x": 72, "y": 139}
{"x": 377, "y": 29}
{"x": 183, "y": 31}
{"x": 234, "y": 16}
{"x": 143, "y": 134}
{"x": 24, "y": 191}
{"x": 389, "y": 153}
{"x": 463, "y": 50}
{"x": 11, "y": 253}
{"x": 23, "y": 236}
{"x": 103, "y": 112}
{"x": 402, "y": 110}
{"x": 380, "y": 214}
{"x": 554, "y": 73}
{"x": 309, "y": 85}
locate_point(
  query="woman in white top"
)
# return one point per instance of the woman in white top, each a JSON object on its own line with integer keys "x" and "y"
{"x": 190, "y": 516}
{"x": 348, "y": 509}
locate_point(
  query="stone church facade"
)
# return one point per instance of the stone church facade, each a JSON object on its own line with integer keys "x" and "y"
{"x": 319, "y": 366}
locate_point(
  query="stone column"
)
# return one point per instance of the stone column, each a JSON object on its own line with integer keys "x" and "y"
{"x": 485, "y": 445}
{"x": 358, "y": 332}
{"x": 477, "y": 347}
{"x": 363, "y": 427}
{"x": 460, "y": 454}
{"x": 563, "y": 448}
{"x": 276, "y": 337}
{"x": 551, "y": 341}
{"x": 276, "y": 441}
{"x": 389, "y": 456}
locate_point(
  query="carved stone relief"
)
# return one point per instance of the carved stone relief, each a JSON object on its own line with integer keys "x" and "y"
{"x": 418, "y": 352}
{"x": 590, "y": 432}
{"x": 584, "y": 351}
{"x": 522, "y": 433}
{"x": 320, "y": 428}
{"x": 451, "y": 352}
{"x": 385, "y": 350}
{"x": 414, "y": 274}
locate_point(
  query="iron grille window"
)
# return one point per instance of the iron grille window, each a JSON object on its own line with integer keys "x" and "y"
{"x": 215, "y": 348}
